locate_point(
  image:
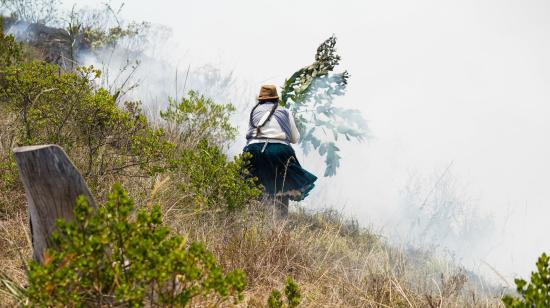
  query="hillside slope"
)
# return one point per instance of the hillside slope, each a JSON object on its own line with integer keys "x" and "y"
{"x": 178, "y": 163}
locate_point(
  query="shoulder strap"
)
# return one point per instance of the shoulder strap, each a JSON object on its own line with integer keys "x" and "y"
{"x": 260, "y": 125}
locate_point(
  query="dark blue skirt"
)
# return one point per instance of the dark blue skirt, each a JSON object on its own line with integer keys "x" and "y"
{"x": 279, "y": 171}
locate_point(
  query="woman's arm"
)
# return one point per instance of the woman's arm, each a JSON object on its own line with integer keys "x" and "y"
{"x": 294, "y": 133}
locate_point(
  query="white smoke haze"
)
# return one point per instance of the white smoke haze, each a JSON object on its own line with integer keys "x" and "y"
{"x": 156, "y": 73}
{"x": 456, "y": 94}
{"x": 19, "y": 31}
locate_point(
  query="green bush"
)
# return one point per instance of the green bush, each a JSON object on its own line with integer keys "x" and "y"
{"x": 67, "y": 109}
{"x": 8, "y": 173}
{"x": 10, "y": 187}
{"x": 213, "y": 181}
{"x": 197, "y": 117}
{"x": 200, "y": 127}
{"x": 11, "y": 52}
{"x": 292, "y": 294}
{"x": 537, "y": 292}
{"x": 108, "y": 258}
{"x": 108, "y": 141}
{"x": 104, "y": 139}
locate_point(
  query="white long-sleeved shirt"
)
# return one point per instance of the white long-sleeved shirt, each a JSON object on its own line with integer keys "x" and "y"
{"x": 272, "y": 129}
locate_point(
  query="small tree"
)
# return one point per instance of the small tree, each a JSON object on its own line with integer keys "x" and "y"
{"x": 211, "y": 180}
{"x": 537, "y": 292}
{"x": 109, "y": 258}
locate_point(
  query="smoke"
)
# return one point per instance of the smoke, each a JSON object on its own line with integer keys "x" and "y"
{"x": 427, "y": 211}
{"x": 436, "y": 212}
{"x": 160, "y": 68}
{"x": 20, "y": 30}
{"x": 150, "y": 68}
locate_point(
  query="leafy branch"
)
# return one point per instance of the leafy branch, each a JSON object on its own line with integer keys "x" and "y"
{"x": 309, "y": 94}
{"x": 535, "y": 293}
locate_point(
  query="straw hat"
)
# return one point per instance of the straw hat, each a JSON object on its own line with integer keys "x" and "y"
{"x": 268, "y": 92}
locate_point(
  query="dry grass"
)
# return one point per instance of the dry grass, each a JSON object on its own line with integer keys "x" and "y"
{"x": 336, "y": 263}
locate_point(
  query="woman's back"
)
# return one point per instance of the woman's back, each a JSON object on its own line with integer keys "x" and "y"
{"x": 268, "y": 120}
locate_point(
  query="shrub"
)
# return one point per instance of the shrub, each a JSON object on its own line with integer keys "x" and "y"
{"x": 197, "y": 117}
{"x": 537, "y": 292}
{"x": 213, "y": 181}
{"x": 65, "y": 108}
{"x": 11, "y": 191}
{"x": 292, "y": 293}
{"x": 108, "y": 258}
{"x": 200, "y": 127}
{"x": 11, "y": 52}
{"x": 8, "y": 173}
{"x": 107, "y": 141}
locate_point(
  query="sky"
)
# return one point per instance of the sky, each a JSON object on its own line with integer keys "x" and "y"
{"x": 441, "y": 83}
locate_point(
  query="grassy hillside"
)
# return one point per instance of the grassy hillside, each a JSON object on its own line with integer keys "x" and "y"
{"x": 178, "y": 163}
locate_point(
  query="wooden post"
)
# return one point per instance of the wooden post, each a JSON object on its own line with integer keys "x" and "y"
{"x": 52, "y": 184}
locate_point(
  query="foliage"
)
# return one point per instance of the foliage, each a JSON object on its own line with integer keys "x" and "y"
{"x": 105, "y": 139}
{"x": 8, "y": 173}
{"x": 211, "y": 180}
{"x": 11, "y": 52}
{"x": 65, "y": 108}
{"x": 108, "y": 258}
{"x": 309, "y": 93}
{"x": 197, "y": 117}
{"x": 199, "y": 126}
{"x": 11, "y": 190}
{"x": 292, "y": 293}
{"x": 537, "y": 292}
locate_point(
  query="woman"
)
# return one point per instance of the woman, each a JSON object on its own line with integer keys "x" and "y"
{"x": 271, "y": 129}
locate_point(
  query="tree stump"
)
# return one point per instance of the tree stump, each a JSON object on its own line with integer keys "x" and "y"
{"x": 52, "y": 185}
